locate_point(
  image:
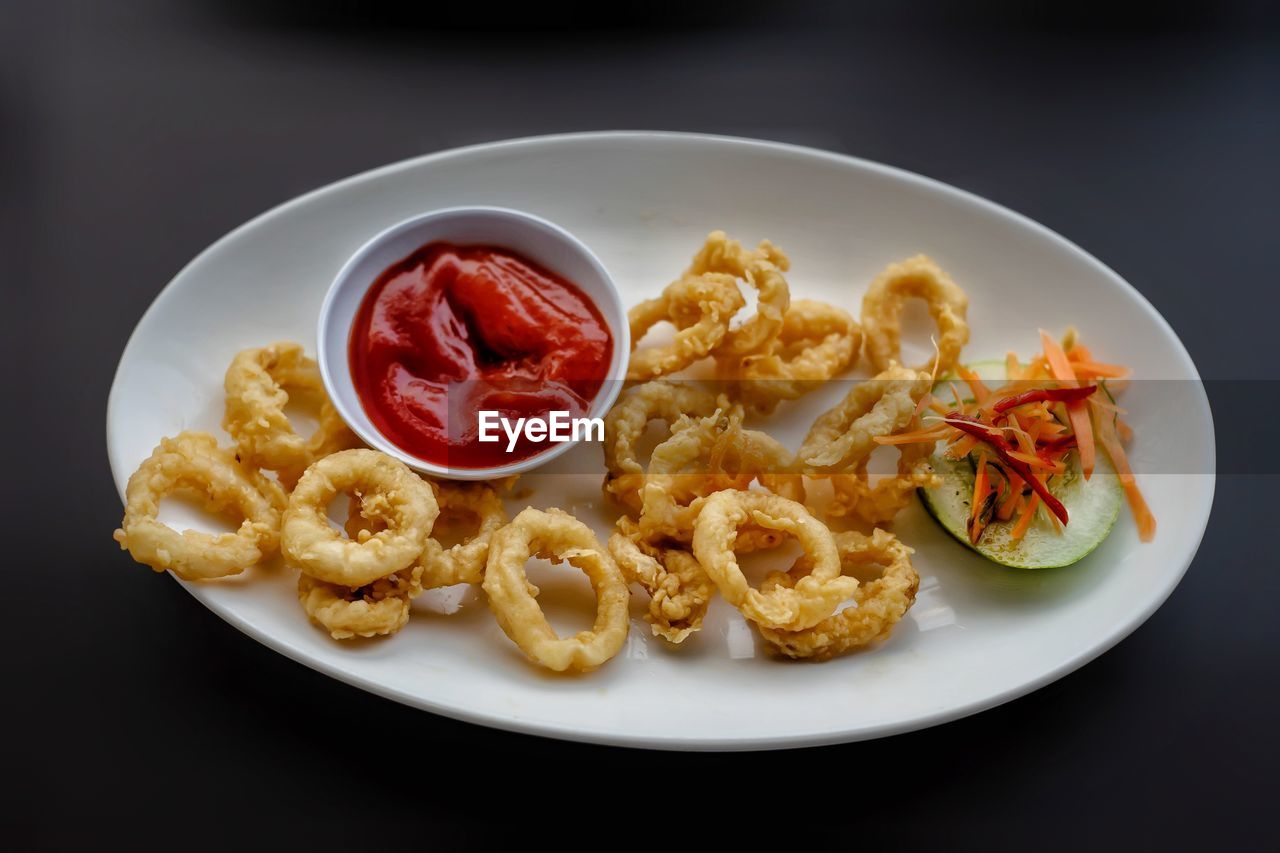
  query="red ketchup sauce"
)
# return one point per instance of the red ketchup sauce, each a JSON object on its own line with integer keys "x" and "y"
{"x": 453, "y": 330}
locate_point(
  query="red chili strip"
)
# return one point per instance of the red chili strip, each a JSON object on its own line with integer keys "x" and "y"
{"x": 1062, "y": 442}
{"x": 1002, "y": 448}
{"x": 1043, "y": 395}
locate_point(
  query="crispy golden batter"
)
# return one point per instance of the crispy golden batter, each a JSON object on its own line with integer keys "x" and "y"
{"x": 376, "y": 609}
{"x": 918, "y": 278}
{"x": 390, "y": 494}
{"x": 881, "y": 503}
{"x": 877, "y": 605}
{"x": 707, "y": 455}
{"x": 191, "y": 463}
{"x": 556, "y": 536}
{"x": 659, "y": 400}
{"x": 259, "y": 384}
{"x": 762, "y": 268}
{"x": 811, "y": 599}
{"x": 465, "y": 561}
{"x": 700, "y": 307}
{"x": 679, "y": 590}
{"x": 817, "y": 342}
{"x": 681, "y": 471}
{"x": 844, "y": 436}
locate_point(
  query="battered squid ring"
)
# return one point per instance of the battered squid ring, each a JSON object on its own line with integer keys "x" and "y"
{"x": 558, "y": 536}
{"x": 259, "y": 384}
{"x": 880, "y": 503}
{"x": 691, "y": 464}
{"x": 626, "y": 422}
{"x": 465, "y": 561}
{"x": 357, "y": 527}
{"x": 383, "y": 606}
{"x": 390, "y": 494}
{"x": 700, "y": 307}
{"x": 377, "y": 609}
{"x": 917, "y": 277}
{"x": 817, "y": 342}
{"x": 192, "y": 463}
{"x": 811, "y": 599}
{"x": 880, "y": 604}
{"x": 679, "y": 590}
{"x": 680, "y": 469}
{"x": 845, "y": 435}
{"x": 763, "y": 269}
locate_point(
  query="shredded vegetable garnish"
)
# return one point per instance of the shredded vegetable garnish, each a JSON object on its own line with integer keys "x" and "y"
{"x": 1020, "y": 434}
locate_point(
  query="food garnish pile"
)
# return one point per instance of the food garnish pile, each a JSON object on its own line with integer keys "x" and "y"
{"x": 1005, "y": 457}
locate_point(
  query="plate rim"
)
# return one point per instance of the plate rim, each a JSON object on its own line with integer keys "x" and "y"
{"x": 553, "y": 729}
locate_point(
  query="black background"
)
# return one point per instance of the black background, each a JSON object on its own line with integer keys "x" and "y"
{"x": 134, "y": 134}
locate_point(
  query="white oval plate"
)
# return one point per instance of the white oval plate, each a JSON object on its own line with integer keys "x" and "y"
{"x": 978, "y": 635}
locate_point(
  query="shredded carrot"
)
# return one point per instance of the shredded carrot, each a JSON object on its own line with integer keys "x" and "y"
{"x": 979, "y": 388}
{"x": 1076, "y": 411}
{"x": 1037, "y": 370}
{"x": 1142, "y": 514}
{"x": 962, "y": 448}
{"x": 1020, "y": 434}
{"x": 933, "y": 433}
{"x": 1020, "y": 529}
{"x": 1024, "y": 440}
{"x": 1040, "y": 462}
{"x": 925, "y": 400}
{"x": 1013, "y": 500}
{"x": 1106, "y": 406}
{"x": 1050, "y": 428}
{"x": 1079, "y": 353}
{"x": 1005, "y": 511}
{"x": 1093, "y": 369}
{"x": 979, "y": 494}
{"x": 1012, "y": 370}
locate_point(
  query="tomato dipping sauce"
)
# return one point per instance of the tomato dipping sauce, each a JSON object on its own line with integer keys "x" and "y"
{"x": 453, "y": 330}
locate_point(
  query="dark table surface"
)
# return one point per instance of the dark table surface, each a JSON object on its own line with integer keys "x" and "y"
{"x": 134, "y": 134}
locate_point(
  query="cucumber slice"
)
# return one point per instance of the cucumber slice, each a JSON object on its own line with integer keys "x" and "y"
{"x": 1093, "y": 506}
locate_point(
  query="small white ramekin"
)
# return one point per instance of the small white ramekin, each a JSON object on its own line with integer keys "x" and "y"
{"x": 531, "y": 236}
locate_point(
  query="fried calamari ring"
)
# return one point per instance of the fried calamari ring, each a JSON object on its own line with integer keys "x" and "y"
{"x": 680, "y": 471}
{"x": 919, "y": 278}
{"x": 707, "y": 455}
{"x": 878, "y": 604}
{"x": 460, "y": 563}
{"x": 465, "y": 561}
{"x": 391, "y": 495}
{"x": 357, "y": 527}
{"x": 679, "y": 590}
{"x": 751, "y": 452}
{"x": 811, "y": 599}
{"x": 373, "y": 610}
{"x": 259, "y": 384}
{"x": 660, "y": 400}
{"x": 557, "y": 536}
{"x": 382, "y": 607}
{"x": 817, "y": 342}
{"x": 880, "y": 503}
{"x": 700, "y": 307}
{"x": 191, "y": 463}
{"x": 763, "y": 269}
{"x": 845, "y": 435}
